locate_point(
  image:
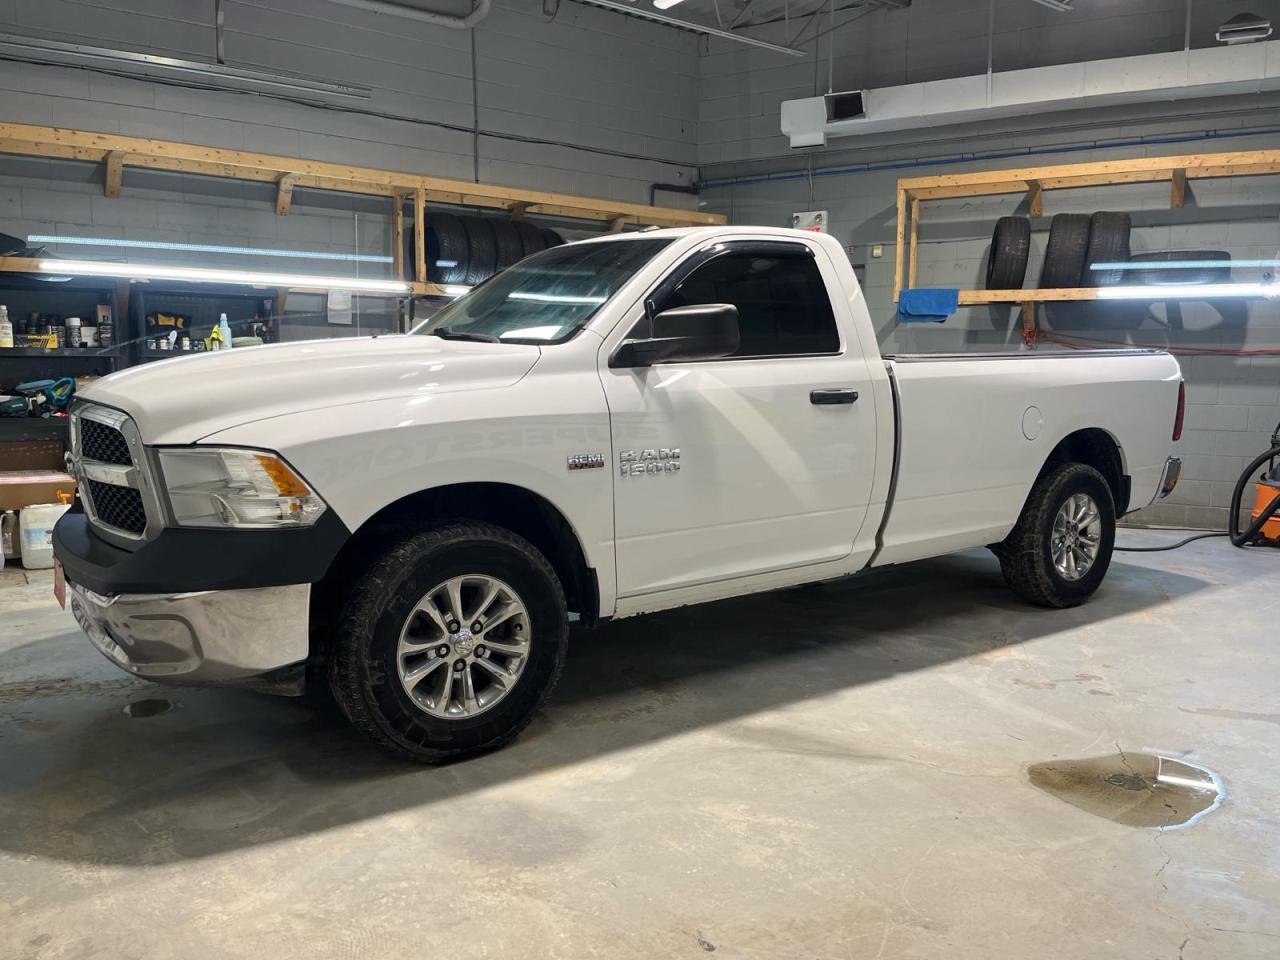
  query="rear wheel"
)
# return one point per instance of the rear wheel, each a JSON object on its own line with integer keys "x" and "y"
{"x": 1060, "y": 549}
{"x": 450, "y": 643}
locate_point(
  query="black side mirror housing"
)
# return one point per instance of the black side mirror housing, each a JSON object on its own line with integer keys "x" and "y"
{"x": 705, "y": 331}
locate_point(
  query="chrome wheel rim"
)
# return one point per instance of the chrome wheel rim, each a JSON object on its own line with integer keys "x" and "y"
{"x": 463, "y": 647}
{"x": 1077, "y": 536}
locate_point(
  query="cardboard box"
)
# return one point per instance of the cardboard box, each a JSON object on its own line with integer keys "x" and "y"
{"x": 32, "y": 473}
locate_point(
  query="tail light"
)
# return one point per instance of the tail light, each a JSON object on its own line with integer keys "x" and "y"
{"x": 1182, "y": 412}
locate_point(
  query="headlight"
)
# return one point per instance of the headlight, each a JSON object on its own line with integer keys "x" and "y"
{"x": 225, "y": 487}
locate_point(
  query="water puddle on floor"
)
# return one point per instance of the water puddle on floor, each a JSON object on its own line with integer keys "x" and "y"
{"x": 152, "y": 707}
{"x": 1135, "y": 789}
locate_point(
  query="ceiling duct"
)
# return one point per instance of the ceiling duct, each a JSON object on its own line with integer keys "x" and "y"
{"x": 1157, "y": 77}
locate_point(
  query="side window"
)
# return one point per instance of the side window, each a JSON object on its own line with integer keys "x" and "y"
{"x": 783, "y": 306}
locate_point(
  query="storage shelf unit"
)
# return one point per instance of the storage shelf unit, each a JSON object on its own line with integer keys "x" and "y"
{"x": 1033, "y": 181}
{"x": 115, "y": 153}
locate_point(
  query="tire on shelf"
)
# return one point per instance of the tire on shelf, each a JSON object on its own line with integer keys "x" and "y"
{"x": 447, "y": 256}
{"x": 1218, "y": 272}
{"x": 553, "y": 239}
{"x": 1064, "y": 253}
{"x": 1108, "y": 243}
{"x": 507, "y": 243}
{"x": 482, "y": 249}
{"x": 531, "y": 238}
{"x": 1010, "y": 247}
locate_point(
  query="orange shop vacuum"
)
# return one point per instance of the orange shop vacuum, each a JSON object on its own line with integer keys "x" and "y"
{"x": 1264, "y": 524}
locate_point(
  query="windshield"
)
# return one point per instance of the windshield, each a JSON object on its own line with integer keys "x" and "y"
{"x": 547, "y": 297}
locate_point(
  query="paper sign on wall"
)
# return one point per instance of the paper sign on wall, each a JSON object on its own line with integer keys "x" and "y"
{"x": 814, "y": 221}
{"x": 340, "y": 306}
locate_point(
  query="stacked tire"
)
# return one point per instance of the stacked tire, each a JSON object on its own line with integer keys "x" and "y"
{"x": 469, "y": 250}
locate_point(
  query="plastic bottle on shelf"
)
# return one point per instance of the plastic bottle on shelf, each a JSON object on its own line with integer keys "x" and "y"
{"x": 225, "y": 329}
{"x": 72, "y": 327}
{"x": 6, "y": 328}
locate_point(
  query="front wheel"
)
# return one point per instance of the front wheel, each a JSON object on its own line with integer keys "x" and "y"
{"x": 449, "y": 644}
{"x": 1060, "y": 549}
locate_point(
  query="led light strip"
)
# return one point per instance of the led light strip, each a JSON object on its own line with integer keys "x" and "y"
{"x": 1186, "y": 291}
{"x": 139, "y": 271}
{"x": 1185, "y": 264}
{"x": 41, "y": 238}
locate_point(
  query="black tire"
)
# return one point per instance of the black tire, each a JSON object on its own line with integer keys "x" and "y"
{"x": 362, "y": 667}
{"x": 1065, "y": 251}
{"x": 552, "y": 238}
{"x": 1189, "y": 276}
{"x": 1026, "y": 558}
{"x": 447, "y": 257}
{"x": 1010, "y": 247}
{"x": 482, "y": 249}
{"x": 1108, "y": 243}
{"x": 531, "y": 238}
{"x": 507, "y": 243}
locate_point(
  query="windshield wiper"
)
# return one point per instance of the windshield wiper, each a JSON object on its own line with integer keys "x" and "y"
{"x": 448, "y": 333}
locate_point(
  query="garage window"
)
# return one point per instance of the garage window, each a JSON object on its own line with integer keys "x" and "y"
{"x": 783, "y": 305}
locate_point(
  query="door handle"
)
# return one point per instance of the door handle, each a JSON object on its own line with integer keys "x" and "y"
{"x": 834, "y": 395}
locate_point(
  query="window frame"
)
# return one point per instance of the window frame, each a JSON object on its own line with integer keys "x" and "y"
{"x": 642, "y": 329}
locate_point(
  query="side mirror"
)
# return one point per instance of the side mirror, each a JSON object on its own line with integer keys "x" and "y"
{"x": 705, "y": 331}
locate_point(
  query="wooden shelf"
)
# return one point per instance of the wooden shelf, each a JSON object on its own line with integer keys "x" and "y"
{"x": 117, "y": 152}
{"x": 1033, "y": 181}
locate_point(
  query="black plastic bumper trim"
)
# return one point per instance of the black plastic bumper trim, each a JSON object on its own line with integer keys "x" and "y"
{"x": 182, "y": 560}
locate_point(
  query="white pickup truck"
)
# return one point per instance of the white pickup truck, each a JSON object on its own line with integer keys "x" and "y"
{"x": 608, "y": 428}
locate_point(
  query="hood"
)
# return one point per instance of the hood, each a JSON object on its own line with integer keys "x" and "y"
{"x": 183, "y": 399}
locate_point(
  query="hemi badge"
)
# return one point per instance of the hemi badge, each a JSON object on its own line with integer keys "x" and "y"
{"x": 586, "y": 461}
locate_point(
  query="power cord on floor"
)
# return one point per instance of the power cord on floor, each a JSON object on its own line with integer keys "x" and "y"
{"x": 1171, "y": 546}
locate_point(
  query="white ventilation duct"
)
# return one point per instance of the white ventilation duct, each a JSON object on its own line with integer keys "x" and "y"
{"x": 1184, "y": 75}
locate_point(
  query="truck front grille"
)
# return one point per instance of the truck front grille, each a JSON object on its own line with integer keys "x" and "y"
{"x": 111, "y": 468}
{"x": 104, "y": 443}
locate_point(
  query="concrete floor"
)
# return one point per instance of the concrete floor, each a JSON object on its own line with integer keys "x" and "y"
{"x": 837, "y": 771}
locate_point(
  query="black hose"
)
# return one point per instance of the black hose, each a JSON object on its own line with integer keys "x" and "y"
{"x": 1238, "y": 538}
{"x": 1172, "y": 546}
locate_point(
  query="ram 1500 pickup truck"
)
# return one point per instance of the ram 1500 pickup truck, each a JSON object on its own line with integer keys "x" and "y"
{"x": 608, "y": 428}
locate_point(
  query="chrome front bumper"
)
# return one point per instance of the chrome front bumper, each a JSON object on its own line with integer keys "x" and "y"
{"x": 214, "y": 637}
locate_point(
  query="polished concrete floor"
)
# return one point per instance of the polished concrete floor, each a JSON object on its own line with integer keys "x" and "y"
{"x": 831, "y": 772}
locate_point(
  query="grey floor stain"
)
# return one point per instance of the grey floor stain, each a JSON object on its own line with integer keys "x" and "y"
{"x": 1134, "y": 789}
{"x": 1234, "y": 714}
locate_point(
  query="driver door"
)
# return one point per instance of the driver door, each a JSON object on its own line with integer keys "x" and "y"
{"x": 739, "y": 466}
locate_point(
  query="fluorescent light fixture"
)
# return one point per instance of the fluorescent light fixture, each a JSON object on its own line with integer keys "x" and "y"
{"x": 42, "y": 238}
{"x": 219, "y": 76}
{"x": 1182, "y": 291}
{"x": 455, "y": 290}
{"x": 666, "y": 4}
{"x": 152, "y": 271}
{"x": 555, "y": 298}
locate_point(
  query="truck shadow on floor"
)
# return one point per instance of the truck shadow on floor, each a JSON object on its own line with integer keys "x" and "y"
{"x": 226, "y": 770}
